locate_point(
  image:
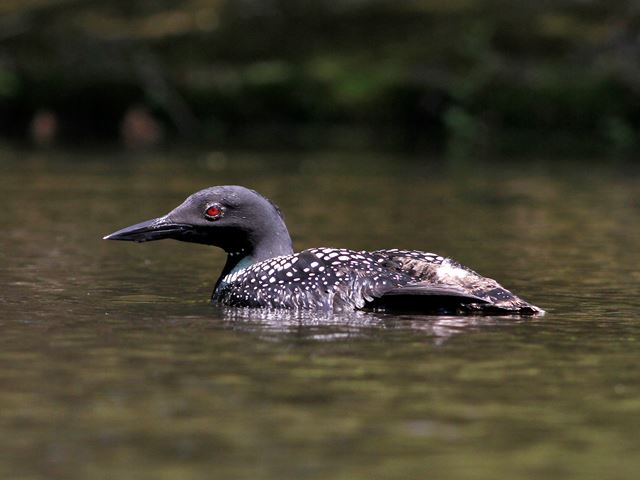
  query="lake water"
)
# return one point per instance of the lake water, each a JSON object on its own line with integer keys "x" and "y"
{"x": 114, "y": 365}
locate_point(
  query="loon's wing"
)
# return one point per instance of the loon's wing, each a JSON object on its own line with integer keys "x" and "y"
{"x": 429, "y": 290}
{"x": 374, "y": 281}
{"x": 427, "y": 298}
{"x": 444, "y": 280}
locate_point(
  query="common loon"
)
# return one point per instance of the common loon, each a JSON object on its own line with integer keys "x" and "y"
{"x": 263, "y": 271}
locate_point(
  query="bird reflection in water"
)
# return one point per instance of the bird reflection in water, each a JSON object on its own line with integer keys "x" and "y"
{"x": 325, "y": 326}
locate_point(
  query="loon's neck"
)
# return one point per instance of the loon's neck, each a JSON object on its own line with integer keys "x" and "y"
{"x": 236, "y": 261}
{"x": 275, "y": 245}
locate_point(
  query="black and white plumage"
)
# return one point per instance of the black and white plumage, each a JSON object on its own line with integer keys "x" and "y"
{"x": 262, "y": 270}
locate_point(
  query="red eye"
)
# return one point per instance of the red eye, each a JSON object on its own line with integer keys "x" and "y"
{"x": 213, "y": 212}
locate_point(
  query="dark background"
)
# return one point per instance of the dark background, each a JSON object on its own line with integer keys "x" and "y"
{"x": 460, "y": 75}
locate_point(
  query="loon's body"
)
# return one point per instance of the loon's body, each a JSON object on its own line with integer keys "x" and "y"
{"x": 262, "y": 271}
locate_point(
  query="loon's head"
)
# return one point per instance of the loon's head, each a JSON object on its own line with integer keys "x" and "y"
{"x": 233, "y": 218}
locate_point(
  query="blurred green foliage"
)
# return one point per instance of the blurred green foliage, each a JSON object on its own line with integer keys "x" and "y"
{"x": 462, "y": 73}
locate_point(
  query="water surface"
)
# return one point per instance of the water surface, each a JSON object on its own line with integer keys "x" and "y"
{"x": 113, "y": 365}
